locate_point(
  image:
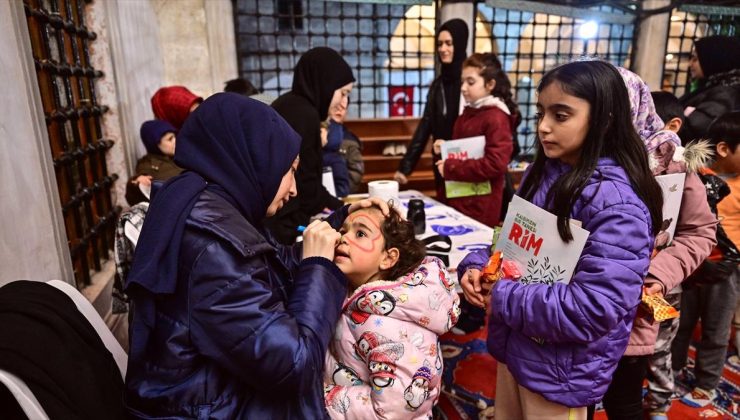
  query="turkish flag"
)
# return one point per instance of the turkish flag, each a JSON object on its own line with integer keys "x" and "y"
{"x": 401, "y": 101}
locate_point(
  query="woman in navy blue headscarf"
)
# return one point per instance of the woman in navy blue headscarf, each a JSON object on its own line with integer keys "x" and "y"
{"x": 226, "y": 324}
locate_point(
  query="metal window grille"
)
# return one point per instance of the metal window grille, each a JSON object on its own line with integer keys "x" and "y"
{"x": 290, "y": 15}
{"x": 60, "y": 45}
{"x": 530, "y": 39}
{"x": 374, "y": 39}
{"x": 689, "y": 23}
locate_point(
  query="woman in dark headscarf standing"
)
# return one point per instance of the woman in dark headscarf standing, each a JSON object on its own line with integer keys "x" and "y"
{"x": 321, "y": 79}
{"x": 715, "y": 69}
{"x": 226, "y": 324}
{"x": 443, "y": 100}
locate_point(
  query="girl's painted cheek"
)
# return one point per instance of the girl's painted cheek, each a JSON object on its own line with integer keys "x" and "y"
{"x": 361, "y": 258}
{"x": 370, "y": 244}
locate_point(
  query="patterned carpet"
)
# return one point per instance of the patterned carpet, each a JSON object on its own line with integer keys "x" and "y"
{"x": 470, "y": 384}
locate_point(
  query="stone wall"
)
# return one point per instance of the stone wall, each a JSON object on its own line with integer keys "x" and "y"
{"x": 141, "y": 45}
{"x": 197, "y": 43}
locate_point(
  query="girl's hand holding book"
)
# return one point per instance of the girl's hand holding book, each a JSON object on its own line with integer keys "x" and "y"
{"x": 441, "y": 167}
{"x": 437, "y": 146}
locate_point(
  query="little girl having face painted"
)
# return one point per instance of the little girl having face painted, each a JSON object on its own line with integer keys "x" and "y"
{"x": 385, "y": 348}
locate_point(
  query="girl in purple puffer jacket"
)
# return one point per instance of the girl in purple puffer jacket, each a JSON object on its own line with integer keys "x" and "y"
{"x": 590, "y": 166}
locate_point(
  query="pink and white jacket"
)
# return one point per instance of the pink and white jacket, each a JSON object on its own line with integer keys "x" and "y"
{"x": 694, "y": 236}
{"x": 384, "y": 360}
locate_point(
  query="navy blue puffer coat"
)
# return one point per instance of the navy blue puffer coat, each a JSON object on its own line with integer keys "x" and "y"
{"x": 246, "y": 332}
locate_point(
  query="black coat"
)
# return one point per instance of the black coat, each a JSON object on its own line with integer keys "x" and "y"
{"x": 433, "y": 123}
{"x": 46, "y": 341}
{"x": 318, "y": 74}
{"x": 443, "y": 101}
{"x": 312, "y": 196}
{"x": 719, "y": 96}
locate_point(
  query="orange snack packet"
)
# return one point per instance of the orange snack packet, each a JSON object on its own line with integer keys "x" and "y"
{"x": 658, "y": 308}
{"x": 492, "y": 271}
{"x": 511, "y": 271}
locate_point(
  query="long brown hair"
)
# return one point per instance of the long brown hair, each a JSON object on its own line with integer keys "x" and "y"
{"x": 610, "y": 134}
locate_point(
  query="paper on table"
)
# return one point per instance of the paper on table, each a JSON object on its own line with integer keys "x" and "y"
{"x": 327, "y": 180}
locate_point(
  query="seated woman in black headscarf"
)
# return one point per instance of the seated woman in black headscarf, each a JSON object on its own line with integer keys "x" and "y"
{"x": 226, "y": 324}
{"x": 321, "y": 80}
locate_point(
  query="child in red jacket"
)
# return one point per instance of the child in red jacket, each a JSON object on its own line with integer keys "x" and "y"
{"x": 491, "y": 112}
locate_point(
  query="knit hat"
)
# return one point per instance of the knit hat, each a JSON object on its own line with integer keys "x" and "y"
{"x": 386, "y": 358}
{"x": 173, "y": 103}
{"x": 718, "y": 54}
{"x": 423, "y": 372}
{"x": 372, "y": 339}
{"x": 151, "y": 133}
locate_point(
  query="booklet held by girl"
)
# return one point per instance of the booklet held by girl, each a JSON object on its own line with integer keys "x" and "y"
{"x": 463, "y": 149}
{"x": 672, "y": 186}
{"x": 529, "y": 238}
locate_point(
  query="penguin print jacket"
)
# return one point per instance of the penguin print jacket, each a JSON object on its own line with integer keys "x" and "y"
{"x": 385, "y": 360}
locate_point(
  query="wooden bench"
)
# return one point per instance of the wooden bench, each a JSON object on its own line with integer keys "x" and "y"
{"x": 375, "y": 134}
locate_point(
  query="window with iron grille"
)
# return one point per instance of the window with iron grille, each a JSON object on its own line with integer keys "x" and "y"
{"x": 387, "y": 45}
{"x": 392, "y": 45}
{"x": 290, "y": 15}
{"x": 531, "y": 38}
{"x": 689, "y": 23}
{"x": 60, "y": 44}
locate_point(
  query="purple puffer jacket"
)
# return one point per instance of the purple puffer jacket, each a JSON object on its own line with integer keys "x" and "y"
{"x": 585, "y": 324}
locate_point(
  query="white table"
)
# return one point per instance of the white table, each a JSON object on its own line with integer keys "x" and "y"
{"x": 466, "y": 233}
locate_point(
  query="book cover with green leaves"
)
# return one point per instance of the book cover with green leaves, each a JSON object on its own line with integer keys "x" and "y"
{"x": 530, "y": 238}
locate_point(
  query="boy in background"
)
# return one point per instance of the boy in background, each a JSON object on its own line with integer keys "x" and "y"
{"x": 712, "y": 295}
{"x": 669, "y": 109}
{"x": 343, "y": 153}
{"x": 159, "y": 138}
